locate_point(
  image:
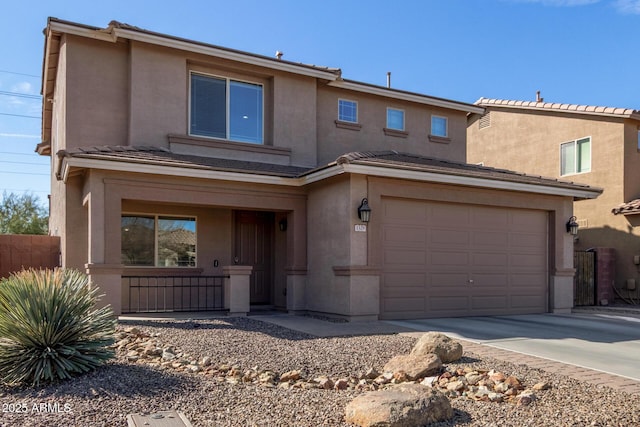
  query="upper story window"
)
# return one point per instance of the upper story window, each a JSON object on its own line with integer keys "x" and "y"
{"x": 439, "y": 126}
{"x": 575, "y": 156}
{"x": 226, "y": 108}
{"x": 395, "y": 119}
{"x": 347, "y": 111}
{"x": 158, "y": 241}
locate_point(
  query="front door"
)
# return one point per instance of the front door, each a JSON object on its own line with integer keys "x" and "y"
{"x": 253, "y": 245}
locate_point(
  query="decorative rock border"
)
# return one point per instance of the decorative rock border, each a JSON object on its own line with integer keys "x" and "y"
{"x": 137, "y": 346}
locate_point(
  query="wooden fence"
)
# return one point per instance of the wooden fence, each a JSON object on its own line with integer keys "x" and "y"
{"x": 18, "y": 251}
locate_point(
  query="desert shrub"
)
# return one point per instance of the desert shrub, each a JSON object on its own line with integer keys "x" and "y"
{"x": 50, "y": 328}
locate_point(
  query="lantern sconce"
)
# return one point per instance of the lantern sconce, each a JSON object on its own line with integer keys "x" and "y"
{"x": 283, "y": 224}
{"x": 572, "y": 226}
{"x": 364, "y": 211}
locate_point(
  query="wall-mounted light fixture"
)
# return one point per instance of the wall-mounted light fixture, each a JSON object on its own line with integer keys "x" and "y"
{"x": 572, "y": 226}
{"x": 364, "y": 211}
{"x": 283, "y": 224}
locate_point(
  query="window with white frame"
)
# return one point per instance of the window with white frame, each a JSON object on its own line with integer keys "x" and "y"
{"x": 439, "y": 126}
{"x": 226, "y": 108}
{"x": 575, "y": 156}
{"x": 395, "y": 119}
{"x": 347, "y": 111}
{"x": 158, "y": 241}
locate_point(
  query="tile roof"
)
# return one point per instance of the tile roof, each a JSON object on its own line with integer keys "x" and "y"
{"x": 387, "y": 159}
{"x": 629, "y": 208}
{"x": 164, "y": 157}
{"x": 433, "y": 165}
{"x": 566, "y": 108}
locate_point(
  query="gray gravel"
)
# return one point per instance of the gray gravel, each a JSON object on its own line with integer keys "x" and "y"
{"x": 106, "y": 396}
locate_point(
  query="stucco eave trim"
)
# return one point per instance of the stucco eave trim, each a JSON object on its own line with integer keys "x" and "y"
{"x": 469, "y": 181}
{"x": 113, "y": 34}
{"x": 78, "y": 163}
{"x": 406, "y": 96}
{"x": 82, "y": 31}
{"x": 71, "y": 164}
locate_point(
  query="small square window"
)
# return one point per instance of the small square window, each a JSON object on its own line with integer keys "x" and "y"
{"x": 347, "y": 111}
{"x": 439, "y": 126}
{"x": 395, "y": 119}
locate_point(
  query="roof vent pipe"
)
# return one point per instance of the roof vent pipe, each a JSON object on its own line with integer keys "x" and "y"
{"x": 538, "y": 99}
{"x": 389, "y": 79}
{"x": 279, "y": 54}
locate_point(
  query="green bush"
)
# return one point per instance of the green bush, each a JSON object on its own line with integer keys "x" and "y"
{"x": 50, "y": 328}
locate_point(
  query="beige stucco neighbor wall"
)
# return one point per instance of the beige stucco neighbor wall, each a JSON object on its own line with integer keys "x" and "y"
{"x": 529, "y": 142}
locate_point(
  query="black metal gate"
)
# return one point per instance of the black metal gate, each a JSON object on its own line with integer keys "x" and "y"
{"x": 584, "y": 282}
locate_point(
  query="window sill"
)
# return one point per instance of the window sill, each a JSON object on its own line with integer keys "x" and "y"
{"x": 439, "y": 139}
{"x": 348, "y": 125}
{"x": 395, "y": 132}
{"x": 225, "y": 144}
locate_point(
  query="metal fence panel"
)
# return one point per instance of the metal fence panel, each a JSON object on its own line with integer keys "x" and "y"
{"x": 148, "y": 294}
{"x": 585, "y": 279}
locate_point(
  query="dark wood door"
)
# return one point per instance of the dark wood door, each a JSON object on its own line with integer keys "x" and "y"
{"x": 254, "y": 246}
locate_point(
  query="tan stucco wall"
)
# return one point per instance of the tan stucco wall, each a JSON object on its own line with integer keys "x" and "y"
{"x": 372, "y": 116}
{"x": 136, "y": 94}
{"x": 294, "y": 117}
{"x": 329, "y": 216}
{"x": 159, "y": 80}
{"x": 530, "y": 142}
{"x": 97, "y": 97}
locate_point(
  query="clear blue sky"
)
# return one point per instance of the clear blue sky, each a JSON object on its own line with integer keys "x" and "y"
{"x": 574, "y": 51}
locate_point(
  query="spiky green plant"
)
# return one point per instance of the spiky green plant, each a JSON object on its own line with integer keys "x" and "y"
{"x": 50, "y": 328}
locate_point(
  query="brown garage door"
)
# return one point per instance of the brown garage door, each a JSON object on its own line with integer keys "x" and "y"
{"x": 446, "y": 259}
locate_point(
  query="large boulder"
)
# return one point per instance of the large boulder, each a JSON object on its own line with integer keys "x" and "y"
{"x": 404, "y": 405}
{"x": 414, "y": 366}
{"x": 448, "y": 350}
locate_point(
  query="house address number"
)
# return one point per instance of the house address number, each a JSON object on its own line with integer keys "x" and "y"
{"x": 361, "y": 228}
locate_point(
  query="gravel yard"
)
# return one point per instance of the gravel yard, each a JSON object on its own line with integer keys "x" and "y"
{"x": 106, "y": 396}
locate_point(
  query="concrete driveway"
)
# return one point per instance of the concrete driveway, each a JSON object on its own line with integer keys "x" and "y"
{"x": 603, "y": 342}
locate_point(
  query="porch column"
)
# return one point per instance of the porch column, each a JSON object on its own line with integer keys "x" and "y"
{"x": 297, "y": 259}
{"x": 296, "y": 286}
{"x": 103, "y": 251}
{"x": 237, "y": 297}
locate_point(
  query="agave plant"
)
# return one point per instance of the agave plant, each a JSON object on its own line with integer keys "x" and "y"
{"x": 50, "y": 328}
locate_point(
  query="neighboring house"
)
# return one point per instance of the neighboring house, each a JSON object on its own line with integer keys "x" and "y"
{"x": 341, "y": 197}
{"x": 598, "y": 146}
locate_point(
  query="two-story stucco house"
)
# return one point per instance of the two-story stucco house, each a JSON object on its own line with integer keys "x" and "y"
{"x": 175, "y": 159}
{"x": 599, "y": 146}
